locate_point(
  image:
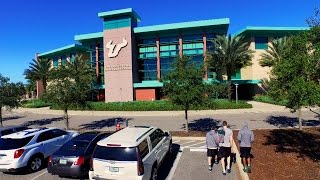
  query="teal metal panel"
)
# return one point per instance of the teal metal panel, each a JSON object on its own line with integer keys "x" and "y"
{"x": 117, "y": 23}
{"x": 82, "y": 37}
{"x": 72, "y": 47}
{"x": 145, "y": 84}
{"x": 237, "y": 75}
{"x": 183, "y": 25}
{"x": 120, "y": 12}
{"x": 269, "y": 29}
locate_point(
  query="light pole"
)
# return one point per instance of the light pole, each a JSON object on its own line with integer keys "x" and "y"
{"x": 236, "y": 92}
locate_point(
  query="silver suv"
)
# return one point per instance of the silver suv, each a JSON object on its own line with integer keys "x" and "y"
{"x": 131, "y": 153}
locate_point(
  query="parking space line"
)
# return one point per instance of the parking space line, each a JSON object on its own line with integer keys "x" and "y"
{"x": 186, "y": 143}
{"x": 175, "y": 165}
{"x": 192, "y": 145}
{"x": 39, "y": 175}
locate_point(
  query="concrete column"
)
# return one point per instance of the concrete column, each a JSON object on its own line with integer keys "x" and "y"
{"x": 204, "y": 37}
{"x": 180, "y": 45}
{"x": 97, "y": 62}
{"x": 158, "y": 58}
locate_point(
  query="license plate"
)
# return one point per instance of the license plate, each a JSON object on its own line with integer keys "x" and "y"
{"x": 113, "y": 169}
{"x": 63, "y": 161}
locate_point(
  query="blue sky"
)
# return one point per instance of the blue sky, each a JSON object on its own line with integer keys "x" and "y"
{"x": 31, "y": 26}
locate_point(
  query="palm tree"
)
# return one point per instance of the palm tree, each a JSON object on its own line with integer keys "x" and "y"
{"x": 39, "y": 70}
{"x": 80, "y": 70}
{"x": 229, "y": 55}
{"x": 274, "y": 53}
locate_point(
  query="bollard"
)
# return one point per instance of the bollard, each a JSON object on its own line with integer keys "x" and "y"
{"x": 127, "y": 122}
{"x": 118, "y": 127}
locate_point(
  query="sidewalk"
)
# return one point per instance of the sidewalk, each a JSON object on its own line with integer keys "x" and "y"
{"x": 257, "y": 107}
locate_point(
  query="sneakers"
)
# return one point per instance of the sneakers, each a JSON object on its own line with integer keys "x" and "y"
{"x": 229, "y": 170}
{"x": 245, "y": 170}
{"x": 210, "y": 168}
{"x": 249, "y": 169}
{"x": 224, "y": 173}
{"x": 216, "y": 162}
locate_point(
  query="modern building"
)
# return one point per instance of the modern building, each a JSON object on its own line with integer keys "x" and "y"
{"x": 130, "y": 60}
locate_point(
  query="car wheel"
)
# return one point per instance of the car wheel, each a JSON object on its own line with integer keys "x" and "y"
{"x": 35, "y": 163}
{"x": 154, "y": 173}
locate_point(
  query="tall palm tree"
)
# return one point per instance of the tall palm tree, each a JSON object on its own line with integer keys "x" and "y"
{"x": 274, "y": 53}
{"x": 80, "y": 70}
{"x": 229, "y": 55}
{"x": 39, "y": 70}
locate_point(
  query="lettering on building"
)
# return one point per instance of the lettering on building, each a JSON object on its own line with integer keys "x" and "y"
{"x": 118, "y": 67}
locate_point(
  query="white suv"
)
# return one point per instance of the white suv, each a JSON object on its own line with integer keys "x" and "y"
{"x": 131, "y": 153}
{"x": 29, "y": 148}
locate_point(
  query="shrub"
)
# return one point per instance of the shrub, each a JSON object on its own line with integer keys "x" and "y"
{"x": 268, "y": 99}
{"x": 36, "y": 103}
{"x": 161, "y": 105}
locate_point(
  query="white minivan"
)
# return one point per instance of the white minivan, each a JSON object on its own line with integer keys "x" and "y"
{"x": 131, "y": 153}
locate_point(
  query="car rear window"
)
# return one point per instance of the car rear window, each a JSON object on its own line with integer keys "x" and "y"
{"x": 115, "y": 153}
{"x": 7, "y": 143}
{"x": 73, "y": 148}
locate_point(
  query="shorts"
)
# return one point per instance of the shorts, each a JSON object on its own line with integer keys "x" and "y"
{"x": 225, "y": 151}
{"x": 212, "y": 152}
{"x": 245, "y": 152}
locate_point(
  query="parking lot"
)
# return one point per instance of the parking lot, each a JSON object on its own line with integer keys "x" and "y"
{"x": 187, "y": 163}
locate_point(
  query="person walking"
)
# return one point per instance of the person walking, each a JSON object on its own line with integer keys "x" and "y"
{"x": 226, "y": 148}
{"x": 212, "y": 141}
{"x": 245, "y": 138}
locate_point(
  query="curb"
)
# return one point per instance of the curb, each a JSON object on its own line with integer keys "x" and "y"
{"x": 244, "y": 176}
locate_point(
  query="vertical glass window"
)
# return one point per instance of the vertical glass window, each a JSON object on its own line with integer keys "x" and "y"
{"x": 55, "y": 62}
{"x": 64, "y": 60}
{"x": 261, "y": 42}
{"x": 147, "y": 59}
{"x": 193, "y": 47}
{"x": 72, "y": 57}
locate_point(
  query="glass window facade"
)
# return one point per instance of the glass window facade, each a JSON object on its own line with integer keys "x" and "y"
{"x": 93, "y": 55}
{"x": 55, "y": 62}
{"x": 169, "y": 50}
{"x": 261, "y": 42}
{"x": 101, "y": 63}
{"x": 192, "y": 46}
{"x": 147, "y": 59}
{"x": 64, "y": 60}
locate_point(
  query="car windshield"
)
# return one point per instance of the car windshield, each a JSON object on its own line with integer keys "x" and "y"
{"x": 8, "y": 143}
{"x": 73, "y": 148}
{"x": 115, "y": 153}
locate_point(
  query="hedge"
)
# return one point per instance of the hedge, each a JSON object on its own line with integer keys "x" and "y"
{"x": 161, "y": 105}
{"x": 36, "y": 103}
{"x": 270, "y": 100}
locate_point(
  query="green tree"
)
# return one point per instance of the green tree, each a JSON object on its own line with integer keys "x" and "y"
{"x": 10, "y": 95}
{"x": 274, "y": 53}
{"x": 39, "y": 70}
{"x": 294, "y": 77}
{"x": 184, "y": 85}
{"x": 229, "y": 55}
{"x": 71, "y": 85}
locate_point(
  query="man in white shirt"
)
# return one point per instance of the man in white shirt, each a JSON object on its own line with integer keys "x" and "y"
{"x": 226, "y": 148}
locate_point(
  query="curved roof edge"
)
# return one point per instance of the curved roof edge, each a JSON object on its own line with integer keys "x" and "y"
{"x": 270, "y": 28}
{"x": 182, "y": 25}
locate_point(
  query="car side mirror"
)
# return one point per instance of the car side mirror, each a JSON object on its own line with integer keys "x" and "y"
{"x": 166, "y": 134}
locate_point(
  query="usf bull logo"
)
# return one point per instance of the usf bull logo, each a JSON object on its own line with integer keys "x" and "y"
{"x": 114, "y": 49}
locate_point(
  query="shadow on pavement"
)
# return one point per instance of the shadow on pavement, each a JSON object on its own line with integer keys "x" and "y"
{"x": 203, "y": 124}
{"x": 284, "y": 121}
{"x": 42, "y": 122}
{"x": 168, "y": 162}
{"x": 103, "y": 123}
{"x": 12, "y": 118}
{"x": 295, "y": 141}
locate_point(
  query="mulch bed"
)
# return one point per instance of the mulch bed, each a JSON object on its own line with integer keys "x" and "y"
{"x": 286, "y": 154}
{"x": 283, "y": 154}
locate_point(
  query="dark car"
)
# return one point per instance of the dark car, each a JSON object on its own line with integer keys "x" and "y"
{"x": 11, "y": 129}
{"x": 73, "y": 158}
